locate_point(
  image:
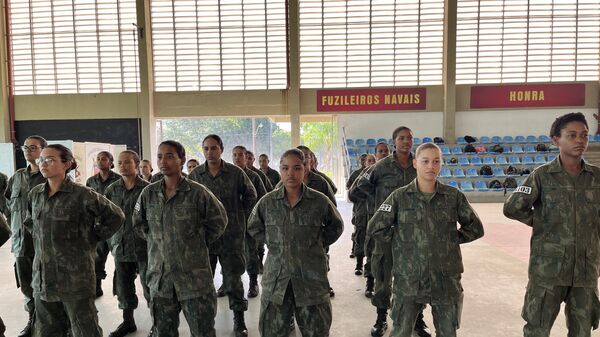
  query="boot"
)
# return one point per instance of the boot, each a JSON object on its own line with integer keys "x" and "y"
{"x": 369, "y": 289}
{"x": 253, "y": 289}
{"x": 331, "y": 292}
{"x": 420, "y": 327}
{"x": 28, "y": 329}
{"x": 352, "y": 251}
{"x": 151, "y": 332}
{"x": 239, "y": 325}
{"x": 359, "y": 265}
{"x": 221, "y": 291}
{"x": 128, "y": 325}
{"x": 381, "y": 325}
{"x": 99, "y": 291}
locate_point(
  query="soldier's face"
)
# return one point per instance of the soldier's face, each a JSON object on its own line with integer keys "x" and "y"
{"x": 263, "y": 162}
{"x": 249, "y": 159}
{"x": 52, "y": 166}
{"x": 168, "y": 161}
{"x": 103, "y": 162}
{"x": 33, "y": 149}
{"x": 573, "y": 140}
{"x": 212, "y": 151}
{"x": 309, "y": 160}
{"x": 382, "y": 151}
{"x": 191, "y": 164}
{"x": 292, "y": 171}
{"x": 404, "y": 141}
{"x": 428, "y": 164}
{"x": 145, "y": 168}
{"x": 239, "y": 158}
{"x": 370, "y": 161}
{"x": 126, "y": 165}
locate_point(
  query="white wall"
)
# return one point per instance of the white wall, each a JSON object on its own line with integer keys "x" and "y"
{"x": 381, "y": 125}
{"x": 514, "y": 122}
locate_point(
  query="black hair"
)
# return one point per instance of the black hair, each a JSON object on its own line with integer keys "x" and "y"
{"x": 216, "y": 138}
{"x": 562, "y": 121}
{"x": 43, "y": 142}
{"x": 109, "y": 156}
{"x": 294, "y": 152}
{"x": 196, "y": 160}
{"x": 149, "y": 163}
{"x": 240, "y": 147}
{"x": 382, "y": 143}
{"x": 264, "y": 155}
{"x": 302, "y": 148}
{"x": 66, "y": 155}
{"x": 248, "y": 152}
{"x": 136, "y": 157}
{"x": 398, "y": 130}
{"x": 177, "y": 145}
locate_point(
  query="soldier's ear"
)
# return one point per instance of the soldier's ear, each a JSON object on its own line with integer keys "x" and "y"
{"x": 414, "y": 162}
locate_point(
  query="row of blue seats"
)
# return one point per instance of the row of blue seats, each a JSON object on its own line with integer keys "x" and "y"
{"x": 468, "y": 186}
{"x": 501, "y": 160}
{"x": 518, "y": 149}
{"x": 518, "y": 139}
{"x": 471, "y": 173}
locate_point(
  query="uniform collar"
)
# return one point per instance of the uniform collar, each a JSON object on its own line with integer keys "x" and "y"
{"x": 65, "y": 186}
{"x": 204, "y": 167}
{"x": 139, "y": 182}
{"x": 280, "y": 192}
{"x": 556, "y": 167}
{"x": 440, "y": 188}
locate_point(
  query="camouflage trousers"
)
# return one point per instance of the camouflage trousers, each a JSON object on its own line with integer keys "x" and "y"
{"x": 381, "y": 269}
{"x": 313, "y": 320}
{"x": 24, "y": 274}
{"x": 359, "y": 237}
{"x": 253, "y": 261}
{"x": 233, "y": 267}
{"x": 52, "y": 319}
{"x": 2, "y": 328}
{"x": 102, "y": 250}
{"x": 446, "y": 317}
{"x": 542, "y": 305}
{"x": 199, "y": 313}
{"x": 124, "y": 283}
{"x": 368, "y": 248}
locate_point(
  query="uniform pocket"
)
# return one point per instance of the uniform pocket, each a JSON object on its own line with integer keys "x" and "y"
{"x": 533, "y": 305}
{"x": 548, "y": 260}
{"x": 405, "y": 229}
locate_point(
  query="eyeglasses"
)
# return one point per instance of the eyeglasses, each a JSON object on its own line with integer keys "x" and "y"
{"x": 48, "y": 161}
{"x": 30, "y": 148}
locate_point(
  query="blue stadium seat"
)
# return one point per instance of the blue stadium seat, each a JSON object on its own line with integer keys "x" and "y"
{"x": 472, "y": 172}
{"x": 466, "y": 186}
{"x": 459, "y": 173}
{"x": 461, "y": 141}
{"x": 499, "y": 172}
{"x": 382, "y": 140}
{"x": 371, "y": 149}
{"x": 480, "y": 185}
{"x": 476, "y": 160}
{"x": 390, "y": 142}
{"x": 540, "y": 159}
{"x": 529, "y": 148}
{"x": 531, "y": 139}
{"x": 453, "y": 183}
{"x": 351, "y": 152}
{"x": 361, "y": 151}
{"x": 591, "y": 138}
{"x": 427, "y": 140}
{"x": 445, "y": 150}
{"x": 501, "y": 160}
{"x": 514, "y": 160}
{"x": 520, "y": 139}
{"x": 545, "y": 139}
{"x": 527, "y": 160}
{"x": 417, "y": 141}
{"x": 508, "y": 139}
{"x": 496, "y": 139}
{"x": 371, "y": 142}
{"x": 485, "y": 140}
{"x": 551, "y": 157}
{"x": 463, "y": 161}
{"x": 488, "y": 160}
{"x": 456, "y": 150}
{"x": 445, "y": 173}
{"x": 517, "y": 149}
{"x": 449, "y": 163}
{"x": 359, "y": 142}
{"x": 349, "y": 142}
{"x": 506, "y": 148}
{"x": 597, "y": 137}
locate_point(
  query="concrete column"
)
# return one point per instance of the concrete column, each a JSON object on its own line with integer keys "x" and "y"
{"x": 449, "y": 70}
{"x": 293, "y": 92}
{"x": 4, "y": 112}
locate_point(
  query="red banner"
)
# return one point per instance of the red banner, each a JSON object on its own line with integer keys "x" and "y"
{"x": 528, "y": 95}
{"x": 371, "y": 99}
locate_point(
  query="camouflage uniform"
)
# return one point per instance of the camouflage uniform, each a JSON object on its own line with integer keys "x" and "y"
{"x": 102, "y": 249}
{"x": 128, "y": 249}
{"x": 158, "y": 176}
{"x": 3, "y": 184}
{"x": 329, "y": 181}
{"x": 356, "y": 195}
{"x": 381, "y": 180}
{"x": 295, "y": 276}
{"x": 316, "y": 182}
{"x": 179, "y": 277}
{"x": 253, "y": 259}
{"x": 65, "y": 228}
{"x": 18, "y": 187}
{"x": 4, "y": 236}
{"x": 564, "y": 212}
{"x": 263, "y": 178}
{"x": 359, "y": 217}
{"x": 234, "y": 189}
{"x": 274, "y": 176}
{"x": 427, "y": 263}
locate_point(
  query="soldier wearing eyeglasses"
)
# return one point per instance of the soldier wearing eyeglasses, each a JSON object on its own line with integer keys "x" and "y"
{"x": 16, "y": 192}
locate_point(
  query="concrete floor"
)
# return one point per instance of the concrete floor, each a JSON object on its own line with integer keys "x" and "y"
{"x": 494, "y": 281}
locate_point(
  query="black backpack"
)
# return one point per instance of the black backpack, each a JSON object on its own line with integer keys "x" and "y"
{"x": 485, "y": 170}
{"x": 541, "y": 148}
{"x": 511, "y": 170}
{"x": 469, "y": 148}
{"x": 453, "y": 160}
{"x": 495, "y": 184}
{"x": 438, "y": 140}
{"x": 510, "y": 182}
{"x": 497, "y": 148}
{"x": 470, "y": 139}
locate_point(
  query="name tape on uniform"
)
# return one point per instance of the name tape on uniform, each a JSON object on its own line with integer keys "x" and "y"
{"x": 385, "y": 208}
{"x": 523, "y": 189}
{"x": 367, "y": 175}
{"x": 137, "y": 207}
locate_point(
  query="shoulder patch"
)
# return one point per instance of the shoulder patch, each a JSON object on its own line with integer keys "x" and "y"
{"x": 137, "y": 206}
{"x": 367, "y": 175}
{"x": 523, "y": 189}
{"x": 385, "y": 208}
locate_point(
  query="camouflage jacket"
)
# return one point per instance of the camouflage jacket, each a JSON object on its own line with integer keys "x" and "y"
{"x": 328, "y": 180}
{"x": 4, "y": 230}
{"x": 65, "y": 229}
{"x": 16, "y": 193}
{"x": 318, "y": 183}
{"x": 3, "y": 185}
{"x": 360, "y": 214}
{"x": 263, "y": 178}
{"x": 564, "y": 212}
{"x": 158, "y": 176}
{"x": 295, "y": 238}
{"x": 273, "y": 176}
{"x": 425, "y": 240}
{"x": 258, "y": 186}
{"x": 178, "y": 232}
{"x": 96, "y": 183}
{"x": 125, "y": 245}
{"x": 234, "y": 189}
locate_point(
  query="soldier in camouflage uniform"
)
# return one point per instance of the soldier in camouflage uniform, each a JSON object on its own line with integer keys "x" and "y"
{"x": 3, "y": 185}
{"x": 16, "y": 193}
{"x": 4, "y": 236}
{"x": 128, "y": 249}
{"x": 179, "y": 218}
{"x": 192, "y": 164}
{"x": 561, "y": 201}
{"x": 295, "y": 222}
{"x": 353, "y": 176}
{"x": 273, "y": 175}
{"x": 66, "y": 221}
{"x": 99, "y": 182}
{"x": 380, "y": 180}
{"x": 263, "y": 177}
{"x": 233, "y": 188}
{"x": 419, "y": 221}
{"x": 146, "y": 170}
{"x": 253, "y": 261}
